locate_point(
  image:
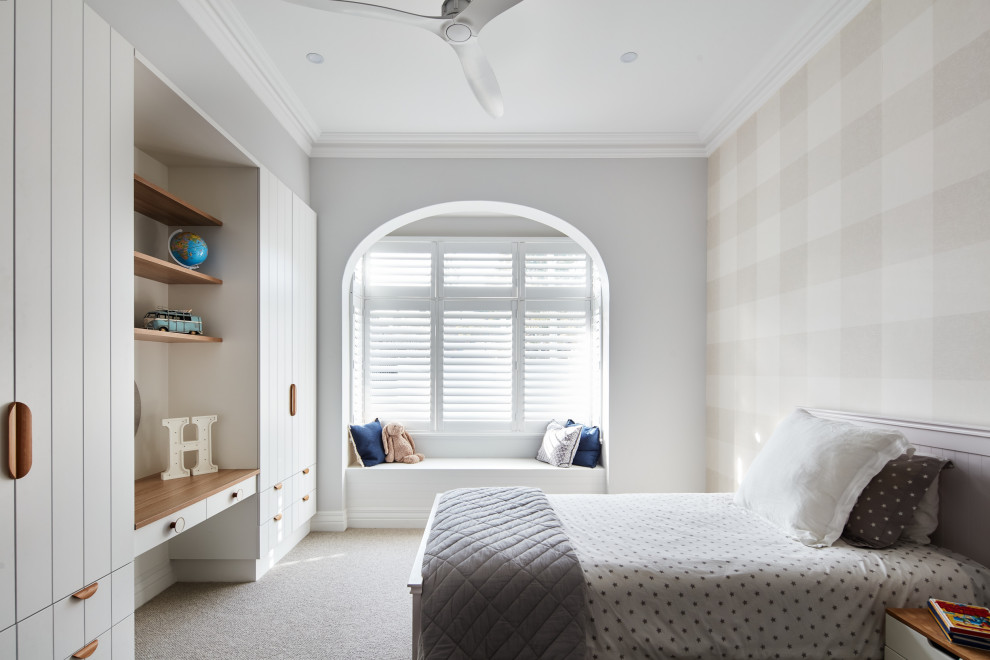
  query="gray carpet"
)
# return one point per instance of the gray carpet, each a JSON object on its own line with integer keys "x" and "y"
{"x": 335, "y": 595}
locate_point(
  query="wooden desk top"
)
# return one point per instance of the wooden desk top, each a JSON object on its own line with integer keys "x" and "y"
{"x": 921, "y": 619}
{"x": 155, "y": 498}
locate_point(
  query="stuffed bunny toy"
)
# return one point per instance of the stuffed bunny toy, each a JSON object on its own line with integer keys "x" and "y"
{"x": 399, "y": 446}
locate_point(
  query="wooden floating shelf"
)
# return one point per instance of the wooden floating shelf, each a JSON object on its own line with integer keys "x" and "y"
{"x": 153, "y": 268}
{"x": 161, "y": 205}
{"x": 155, "y": 498}
{"x": 142, "y": 334}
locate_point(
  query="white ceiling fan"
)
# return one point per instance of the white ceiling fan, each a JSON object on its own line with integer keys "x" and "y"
{"x": 459, "y": 25}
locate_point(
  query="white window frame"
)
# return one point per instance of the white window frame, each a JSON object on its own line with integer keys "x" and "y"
{"x": 515, "y": 298}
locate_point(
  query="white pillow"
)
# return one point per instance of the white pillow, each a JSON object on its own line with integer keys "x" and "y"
{"x": 811, "y": 471}
{"x": 925, "y": 519}
{"x": 560, "y": 443}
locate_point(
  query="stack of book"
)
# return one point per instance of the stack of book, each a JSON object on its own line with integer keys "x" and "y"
{"x": 968, "y": 625}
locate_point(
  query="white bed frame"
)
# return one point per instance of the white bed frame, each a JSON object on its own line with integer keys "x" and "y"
{"x": 963, "y": 493}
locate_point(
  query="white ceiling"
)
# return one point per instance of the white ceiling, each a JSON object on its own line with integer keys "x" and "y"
{"x": 703, "y": 67}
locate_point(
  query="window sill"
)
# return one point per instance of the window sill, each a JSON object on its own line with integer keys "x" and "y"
{"x": 510, "y": 464}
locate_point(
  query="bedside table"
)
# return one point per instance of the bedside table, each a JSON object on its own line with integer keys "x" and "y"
{"x": 912, "y": 634}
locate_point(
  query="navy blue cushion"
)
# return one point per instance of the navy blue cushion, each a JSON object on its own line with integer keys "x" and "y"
{"x": 368, "y": 440}
{"x": 589, "y": 446}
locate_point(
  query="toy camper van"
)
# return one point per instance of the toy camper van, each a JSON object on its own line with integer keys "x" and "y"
{"x": 174, "y": 320}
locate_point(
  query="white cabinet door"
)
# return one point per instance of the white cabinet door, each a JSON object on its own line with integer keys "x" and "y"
{"x": 304, "y": 333}
{"x": 67, "y": 301}
{"x": 33, "y": 300}
{"x": 120, "y": 461}
{"x": 96, "y": 280}
{"x": 268, "y": 329}
{"x": 285, "y": 438}
{"x": 7, "y": 572}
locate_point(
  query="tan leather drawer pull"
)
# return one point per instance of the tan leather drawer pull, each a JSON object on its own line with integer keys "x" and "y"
{"x": 19, "y": 439}
{"x": 86, "y": 592}
{"x": 277, "y": 487}
{"x": 87, "y": 650}
{"x": 278, "y": 517}
{"x": 305, "y": 498}
{"x": 306, "y": 471}
{"x": 292, "y": 400}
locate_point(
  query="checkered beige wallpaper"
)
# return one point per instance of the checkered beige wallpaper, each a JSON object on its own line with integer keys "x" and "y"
{"x": 849, "y": 234}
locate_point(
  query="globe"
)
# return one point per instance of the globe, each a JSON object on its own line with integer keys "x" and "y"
{"x": 188, "y": 249}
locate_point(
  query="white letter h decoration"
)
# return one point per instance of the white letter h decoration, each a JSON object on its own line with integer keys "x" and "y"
{"x": 177, "y": 447}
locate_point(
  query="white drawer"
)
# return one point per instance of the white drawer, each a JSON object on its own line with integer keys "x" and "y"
{"x": 122, "y": 639}
{"x": 910, "y": 644}
{"x": 8, "y": 642}
{"x": 279, "y": 528}
{"x": 307, "y": 480}
{"x": 162, "y": 530}
{"x": 892, "y": 655}
{"x": 100, "y": 650}
{"x": 305, "y": 508}
{"x": 82, "y": 617}
{"x": 276, "y": 499}
{"x": 230, "y": 496}
{"x": 122, "y": 599}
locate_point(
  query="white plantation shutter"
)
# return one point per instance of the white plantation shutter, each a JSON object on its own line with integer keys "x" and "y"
{"x": 478, "y": 270}
{"x": 556, "y": 270}
{"x": 477, "y": 365}
{"x": 488, "y": 335}
{"x": 557, "y": 364}
{"x": 399, "y": 269}
{"x": 398, "y": 358}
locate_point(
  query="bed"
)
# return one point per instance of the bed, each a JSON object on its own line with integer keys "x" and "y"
{"x": 696, "y": 576}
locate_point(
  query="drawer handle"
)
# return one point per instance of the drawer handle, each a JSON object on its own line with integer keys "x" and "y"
{"x": 19, "y": 439}
{"x": 87, "y": 650}
{"x": 277, "y": 487}
{"x": 278, "y": 517}
{"x": 305, "y": 498}
{"x": 237, "y": 494}
{"x": 292, "y": 400}
{"x": 306, "y": 471}
{"x": 86, "y": 592}
{"x": 178, "y": 525}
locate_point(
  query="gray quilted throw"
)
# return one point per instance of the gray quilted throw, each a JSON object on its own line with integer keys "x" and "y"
{"x": 500, "y": 579}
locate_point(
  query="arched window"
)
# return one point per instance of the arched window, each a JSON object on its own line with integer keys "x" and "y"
{"x": 484, "y": 335}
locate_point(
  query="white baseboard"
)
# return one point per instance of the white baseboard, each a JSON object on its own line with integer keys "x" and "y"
{"x": 329, "y": 521}
{"x": 388, "y": 518}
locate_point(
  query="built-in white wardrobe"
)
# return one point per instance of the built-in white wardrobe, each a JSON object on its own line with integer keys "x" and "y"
{"x": 66, "y": 488}
{"x": 253, "y": 367}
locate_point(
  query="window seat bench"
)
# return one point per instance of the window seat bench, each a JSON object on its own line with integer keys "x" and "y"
{"x": 401, "y": 495}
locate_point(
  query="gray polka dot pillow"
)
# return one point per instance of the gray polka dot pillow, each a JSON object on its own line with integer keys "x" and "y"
{"x": 888, "y": 502}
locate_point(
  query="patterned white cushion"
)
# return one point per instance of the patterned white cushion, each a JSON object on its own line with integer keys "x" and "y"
{"x": 559, "y": 444}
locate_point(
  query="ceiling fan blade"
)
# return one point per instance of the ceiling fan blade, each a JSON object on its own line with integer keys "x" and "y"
{"x": 479, "y": 75}
{"x": 431, "y": 23}
{"x": 479, "y": 12}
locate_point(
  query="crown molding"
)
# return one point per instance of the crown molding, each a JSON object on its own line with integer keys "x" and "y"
{"x": 760, "y": 86}
{"x": 224, "y": 25}
{"x": 508, "y": 145}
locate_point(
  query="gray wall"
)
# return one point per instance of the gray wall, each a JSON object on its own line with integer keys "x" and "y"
{"x": 647, "y": 219}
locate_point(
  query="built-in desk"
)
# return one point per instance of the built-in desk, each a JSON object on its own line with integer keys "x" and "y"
{"x": 164, "y": 508}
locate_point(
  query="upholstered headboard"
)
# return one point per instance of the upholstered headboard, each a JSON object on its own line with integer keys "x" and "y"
{"x": 964, "y": 491}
